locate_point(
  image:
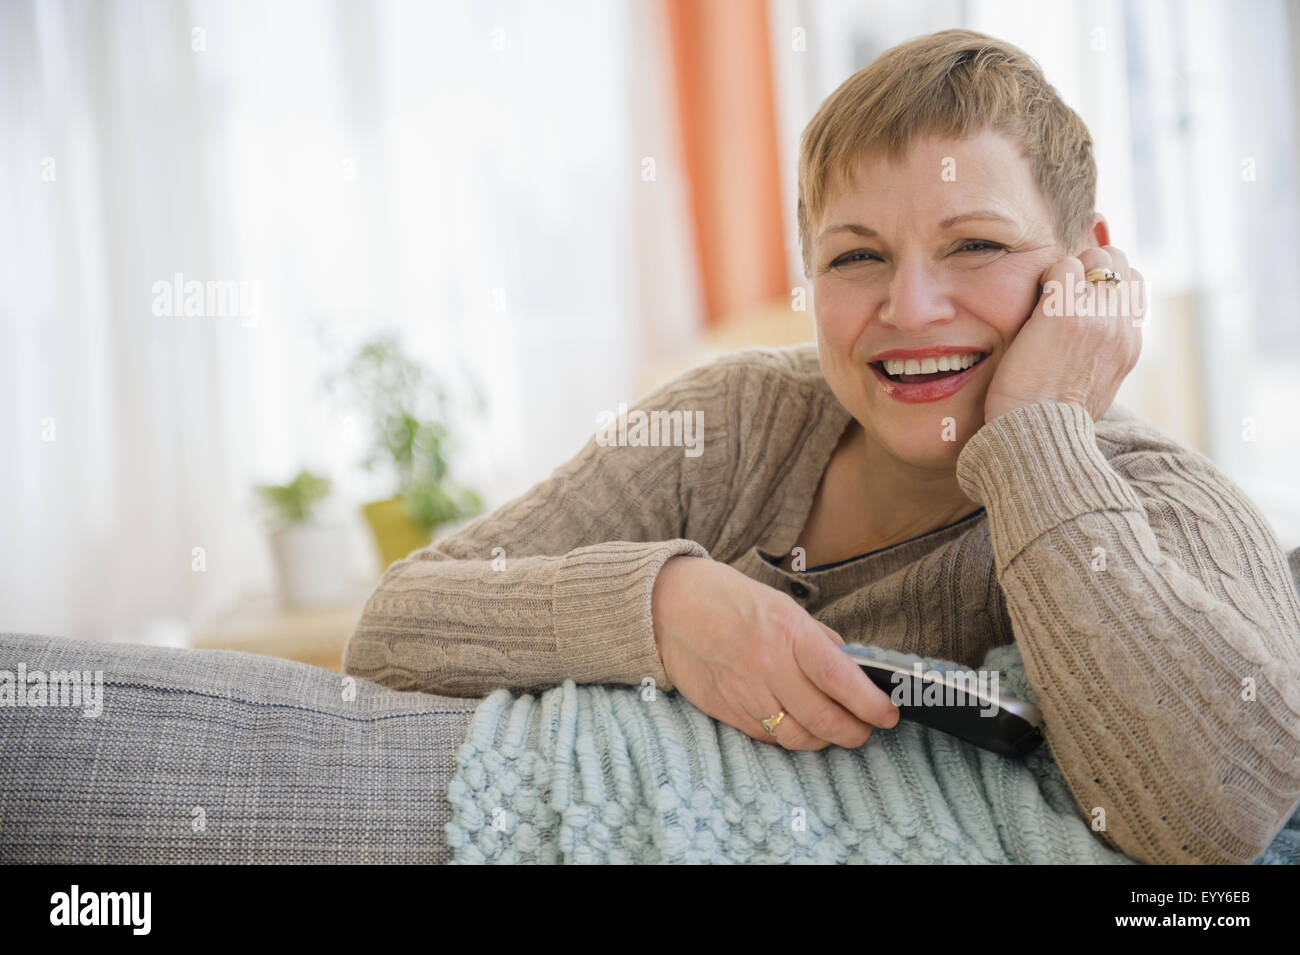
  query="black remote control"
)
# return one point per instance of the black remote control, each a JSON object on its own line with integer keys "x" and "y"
{"x": 966, "y": 703}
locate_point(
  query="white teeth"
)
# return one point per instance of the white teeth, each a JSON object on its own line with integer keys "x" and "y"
{"x": 910, "y": 366}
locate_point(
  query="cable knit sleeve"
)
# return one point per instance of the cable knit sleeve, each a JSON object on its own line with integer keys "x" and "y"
{"x": 557, "y": 583}
{"x": 1159, "y": 627}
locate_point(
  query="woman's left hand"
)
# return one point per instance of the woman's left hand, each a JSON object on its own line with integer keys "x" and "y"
{"x": 1080, "y": 342}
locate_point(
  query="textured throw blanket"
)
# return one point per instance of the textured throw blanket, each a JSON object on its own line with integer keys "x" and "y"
{"x": 601, "y": 774}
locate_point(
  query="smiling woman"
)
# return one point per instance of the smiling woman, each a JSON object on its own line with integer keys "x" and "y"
{"x": 945, "y": 472}
{"x": 915, "y": 271}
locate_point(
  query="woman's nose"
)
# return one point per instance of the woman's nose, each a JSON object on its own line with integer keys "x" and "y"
{"x": 917, "y": 298}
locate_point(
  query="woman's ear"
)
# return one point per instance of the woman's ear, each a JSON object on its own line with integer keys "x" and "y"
{"x": 1096, "y": 235}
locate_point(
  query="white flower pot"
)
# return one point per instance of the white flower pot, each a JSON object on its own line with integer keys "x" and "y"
{"x": 312, "y": 565}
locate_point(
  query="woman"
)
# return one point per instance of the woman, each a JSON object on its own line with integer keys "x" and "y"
{"x": 855, "y": 490}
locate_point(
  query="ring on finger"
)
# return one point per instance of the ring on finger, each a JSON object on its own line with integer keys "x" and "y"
{"x": 771, "y": 723}
{"x": 1101, "y": 275}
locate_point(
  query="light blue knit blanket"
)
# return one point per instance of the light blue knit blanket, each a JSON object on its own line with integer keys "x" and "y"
{"x": 602, "y": 774}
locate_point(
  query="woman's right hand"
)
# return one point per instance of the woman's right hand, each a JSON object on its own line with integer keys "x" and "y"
{"x": 742, "y": 651}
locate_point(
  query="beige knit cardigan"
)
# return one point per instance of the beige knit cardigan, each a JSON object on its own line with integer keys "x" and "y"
{"x": 1150, "y": 599}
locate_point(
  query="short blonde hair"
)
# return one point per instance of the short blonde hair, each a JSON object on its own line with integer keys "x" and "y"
{"x": 956, "y": 84}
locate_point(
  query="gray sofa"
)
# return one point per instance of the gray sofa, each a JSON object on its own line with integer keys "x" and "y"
{"x": 223, "y": 757}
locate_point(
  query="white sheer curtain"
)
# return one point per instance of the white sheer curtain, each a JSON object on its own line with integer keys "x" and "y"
{"x": 1193, "y": 110}
{"x": 468, "y": 174}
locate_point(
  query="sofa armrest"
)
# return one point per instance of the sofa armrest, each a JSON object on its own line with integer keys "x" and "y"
{"x": 214, "y": 756}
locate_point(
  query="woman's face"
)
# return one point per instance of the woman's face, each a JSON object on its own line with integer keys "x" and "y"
{"x": 889, "y": 273}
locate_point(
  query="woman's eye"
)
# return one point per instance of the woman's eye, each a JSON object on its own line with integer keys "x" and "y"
{"x": 854, "y": 258}
{"x": 981, "y": 246}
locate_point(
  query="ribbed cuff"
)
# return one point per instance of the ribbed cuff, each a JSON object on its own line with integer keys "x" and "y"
{"x": 1036, "y": 467}
{"x": 603, "y": 627}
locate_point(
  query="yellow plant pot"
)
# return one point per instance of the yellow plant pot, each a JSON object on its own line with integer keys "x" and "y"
{"x": 396, "y": 535}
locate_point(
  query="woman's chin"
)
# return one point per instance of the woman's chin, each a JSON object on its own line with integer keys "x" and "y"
{"x": 929, "y": 442}
{"x": 931, "y": 455}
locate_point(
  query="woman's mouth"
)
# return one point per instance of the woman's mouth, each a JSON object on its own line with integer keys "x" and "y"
{"x": 907, "y": 382}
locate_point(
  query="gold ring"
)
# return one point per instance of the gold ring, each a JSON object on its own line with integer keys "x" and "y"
{"x": 1101, "y": 275}
{"x": 770, "y": 723}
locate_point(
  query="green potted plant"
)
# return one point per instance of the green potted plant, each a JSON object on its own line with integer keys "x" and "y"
{"x": 406, "y": 407}
{"x": 310, "y": 555}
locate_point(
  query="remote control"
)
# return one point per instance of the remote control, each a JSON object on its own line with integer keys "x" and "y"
{"x": 966, "y": 703}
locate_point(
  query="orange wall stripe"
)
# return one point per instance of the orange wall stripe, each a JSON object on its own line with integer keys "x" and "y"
{"x": 726, "y": 105}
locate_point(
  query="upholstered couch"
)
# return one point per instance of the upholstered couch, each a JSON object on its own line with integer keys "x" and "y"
{"x": 219, "y": 756}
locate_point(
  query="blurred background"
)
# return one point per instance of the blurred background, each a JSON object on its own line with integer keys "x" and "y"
{"x": 263, "y": 264}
